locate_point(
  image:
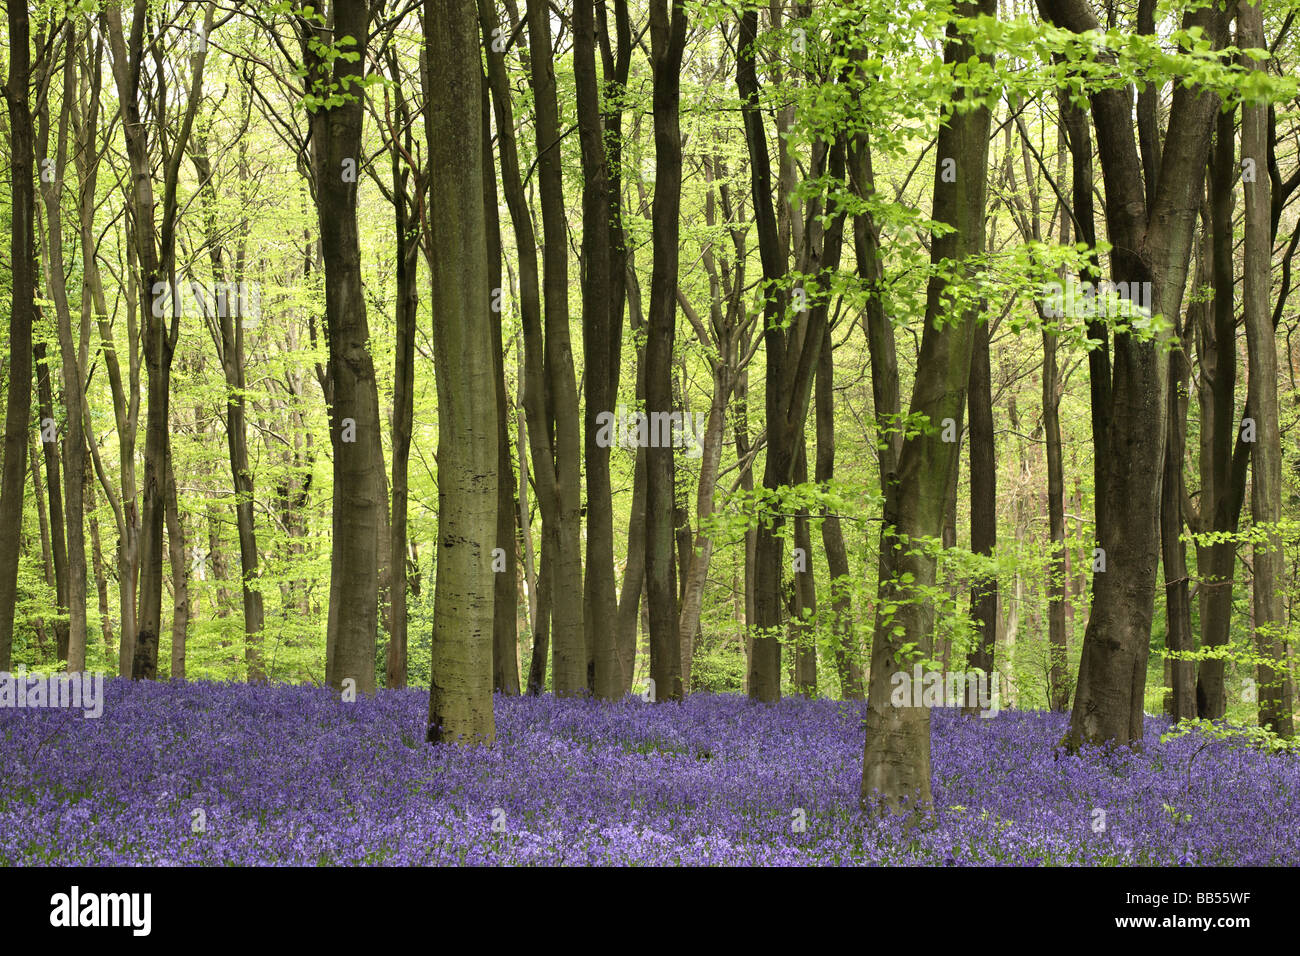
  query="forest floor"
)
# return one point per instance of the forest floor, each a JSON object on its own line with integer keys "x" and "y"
{"x": 205, "y": 773}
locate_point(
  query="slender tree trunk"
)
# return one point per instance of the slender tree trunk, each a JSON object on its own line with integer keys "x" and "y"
{"x": 177, "y": 554}
{"x": 630, "y": 595}
{"x": 53, "y": 487}
{"x": 667, "y": 41}
{"x": 702, "y": 551}
{"x": 1269, "y": 559}
{"x": 848, "y": 667}
{"x": 1058, "y": 694}
{"x": 542, "y": 629}
{"x": 600, "y": 362}
{"x": 97, "y": 560}
{"x": 805, "y": 593}
{"x": 524, "y": 517}
{"x": 73, "y": 441}
{"x": 47, "y": 553}
{"x": 741, "y": 428}
{"x": 229, "y": 324}
{"x": 1178, "y": 605}
{"x": 983, "y": 505}
{"x": 505, "y": 615}
{"x": 563, "y": 536}
{"x": 791, "y": 355}
{"x": 406, "y": 313}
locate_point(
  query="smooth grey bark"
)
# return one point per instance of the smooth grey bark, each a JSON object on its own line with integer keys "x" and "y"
{"x": 460, "y": 700}
{"x": 1151, "y": 248}
{"x": 1269, "y": 558}
{"x": 896, "y": 756}
{"x": 505, "y": 602}
{"x": 360, "y": 504}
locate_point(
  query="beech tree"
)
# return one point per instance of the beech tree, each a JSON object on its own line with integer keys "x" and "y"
{"x": 460, "y": 704}
{"x": 896, "y": 761}
{"x": 333, "y": 51}
{"x": 1151, "y": 246}
{"x": 747, "y": 233}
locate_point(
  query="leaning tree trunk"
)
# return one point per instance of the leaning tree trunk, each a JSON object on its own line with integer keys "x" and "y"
{"x": 72, "y": 438}
{"x": 697, "y": 570}
{"x": 847, "y": 665}
{"x": 563, "y": 536}
{"x": 896, "y": 758}
{"x": 505, "y": 602}
{"x": 154, "y": 252}
{"x": 630, "y": 594}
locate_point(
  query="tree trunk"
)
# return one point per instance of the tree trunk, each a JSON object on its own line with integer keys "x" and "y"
{"x": 791, "y": 355}
{"x": 667, "y": 41}
{"x": 22, "y": 255}
{"x": 600, "y": 363}
{"x": 983, "y": 505}
{"x": 73, "y": 440}
{"x": 1151, "y": 245}
{"x": 1178, "y": 606}
{"x": 359, "y": 494}
{"x": 505, "y": 602}
{"x": 228, "y": 331}
{"x": 701, "y": 554}
{"x": 630, "y": 594}
{"x": 896, "y": 758}
{"x": 53, "y": 487}
{"x": 97, "y": 561}
{"x": 542, "y": 629}
{"x": 176, "y": 553}
{"x": 1269, "y": 559}
{"x": 47, "y": 552}
{"x": 847, "y": 664}
{"x": 155, "y": 259}
{"x": 805, "y": 592}
{"x": 460, "y": 701}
